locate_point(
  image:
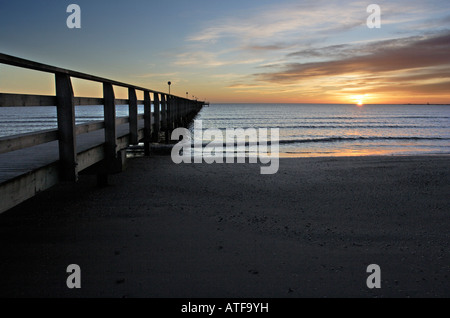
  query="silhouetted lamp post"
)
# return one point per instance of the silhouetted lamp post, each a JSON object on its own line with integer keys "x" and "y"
{"x": 169, "y": 83}
{"x": 187, "y": 93}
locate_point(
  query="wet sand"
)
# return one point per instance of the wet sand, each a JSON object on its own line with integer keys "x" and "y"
{"x": 165, "y": 231}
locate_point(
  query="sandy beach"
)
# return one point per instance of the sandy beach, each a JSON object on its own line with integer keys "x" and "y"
{"x": 161, "y": 230}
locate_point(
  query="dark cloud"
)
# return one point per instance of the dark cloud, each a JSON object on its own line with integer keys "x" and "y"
{"x": 329, "y": 51}
{"x": 273, "y": 47}
{"x": 443, "y": 72}
{"x": 370, "y": 59}
{"x": 408, "y": 88}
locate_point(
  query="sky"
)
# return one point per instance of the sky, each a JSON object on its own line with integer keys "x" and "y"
{"x": 237, "y": 50}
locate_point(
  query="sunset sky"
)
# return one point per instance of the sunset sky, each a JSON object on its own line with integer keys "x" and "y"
{"x": 238, "y": 50}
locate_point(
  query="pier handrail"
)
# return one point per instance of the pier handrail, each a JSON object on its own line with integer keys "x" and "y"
{"x": 23, "y": 63}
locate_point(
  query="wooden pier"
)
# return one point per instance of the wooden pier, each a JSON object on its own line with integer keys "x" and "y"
{"x": 33, "y": 162}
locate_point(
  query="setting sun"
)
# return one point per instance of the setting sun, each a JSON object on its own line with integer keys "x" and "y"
{"x": 358, "y": 99}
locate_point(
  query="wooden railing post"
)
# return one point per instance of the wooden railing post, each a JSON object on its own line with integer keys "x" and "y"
{"x": 109, "y": 107}
{"x": 169, "y": 123}
{"x": 66, "y": 128}
{"x": 182, "y": 112}
{"x": 186, "y": 111}
{"x": 133, "y": 113}
{"x": 157, "y": 111}
{"x": 173, "y": 104}
{"x": 172, "y": 111}
{"x": 164, "y": 113}
{"x": 179, "y": 113}
{"x": 148, "y": 122}
{"x": 176, "y": 112}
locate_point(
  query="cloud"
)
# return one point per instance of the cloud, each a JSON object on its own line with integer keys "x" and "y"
{"x": 263, "y": 28}
{"x": 198, "y": 58}
{"x": 268, "y": 47}
{"x": 213, "y": 59}
{"x": 153, "y": 75}
{"x": 328, "y": 51}
{"x": 386, "y": 56}
{"x": 283, "y": 21}
{"x": 270, "y": 31}
{"x": 323, "y": 47}
{"x": 353, "y": 49}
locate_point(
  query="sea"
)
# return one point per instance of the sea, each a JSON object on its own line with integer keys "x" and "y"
{"x": 305, "y": 130}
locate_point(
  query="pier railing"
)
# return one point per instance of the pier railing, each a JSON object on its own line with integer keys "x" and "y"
{"x": 169, "y": 112}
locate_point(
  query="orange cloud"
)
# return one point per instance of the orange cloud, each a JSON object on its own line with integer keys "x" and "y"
{"x": 417, "y": 65}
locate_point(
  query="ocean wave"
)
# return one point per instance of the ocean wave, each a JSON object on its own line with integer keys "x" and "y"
{"x": 340, "y": 127}
{"x": 331, "y": 140}
{"x": 324, "y": 118}
{"x": 52, "y": 121}
{"x": 343, "y": 139}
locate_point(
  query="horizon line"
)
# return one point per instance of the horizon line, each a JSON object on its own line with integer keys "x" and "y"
{"x": 368, "y": 104}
